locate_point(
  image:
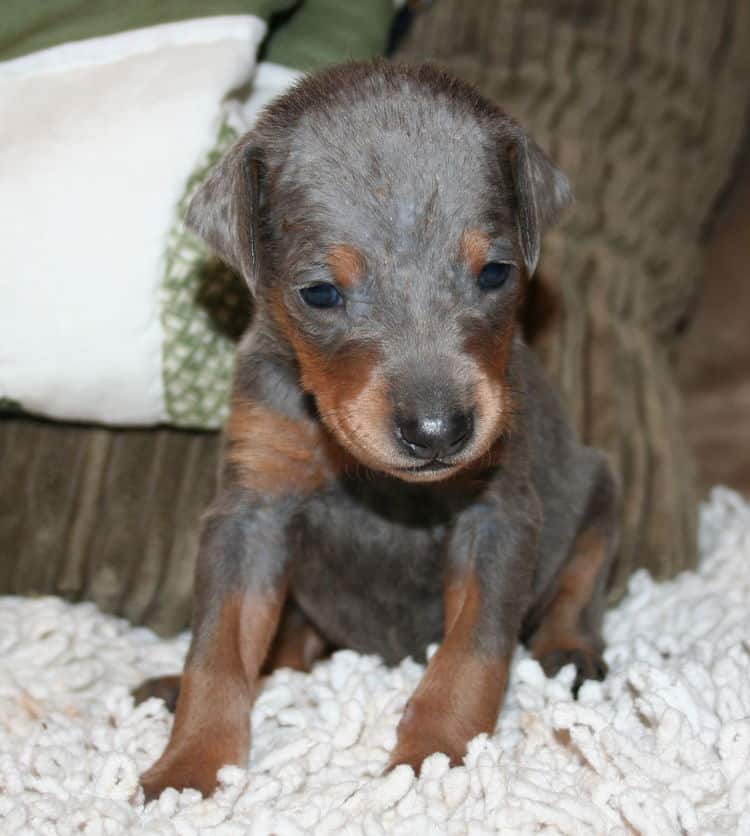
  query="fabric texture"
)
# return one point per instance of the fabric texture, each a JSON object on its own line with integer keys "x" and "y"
{"x": 660, "y": 747}
{"x": 713, "y": 362}
{"x": 197, "y": 357}
{"x": 28, "y": 26}
{"x": 321, "y": 32}
{"x": 204, "y": 305}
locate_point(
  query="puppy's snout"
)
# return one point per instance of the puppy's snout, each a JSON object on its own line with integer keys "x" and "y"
{"x": 435, "y": 436}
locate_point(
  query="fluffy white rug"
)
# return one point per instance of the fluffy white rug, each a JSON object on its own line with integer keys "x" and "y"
{"x": 661, "y": 747}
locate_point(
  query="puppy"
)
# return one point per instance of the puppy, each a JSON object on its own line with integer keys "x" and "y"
{"x": 396, "y": 469}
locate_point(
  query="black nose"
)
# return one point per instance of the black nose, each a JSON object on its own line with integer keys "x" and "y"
{"x": 433, "y": 437}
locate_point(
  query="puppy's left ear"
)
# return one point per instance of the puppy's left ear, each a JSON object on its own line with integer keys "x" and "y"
{"x": 224, "y": 210}
{"x": 541, "y": 191}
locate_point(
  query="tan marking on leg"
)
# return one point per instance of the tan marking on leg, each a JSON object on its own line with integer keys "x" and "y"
{"x": 459, "y": 696}
{"x": 560, "y": 627}
{"x": 461, "y": 599}
{"x": 212, "y": 721}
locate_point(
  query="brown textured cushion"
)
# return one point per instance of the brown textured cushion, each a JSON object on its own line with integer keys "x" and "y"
{"x": 714, "y": 357}
{"x": 642, "y": 104}
{"x": 104, "y": 515}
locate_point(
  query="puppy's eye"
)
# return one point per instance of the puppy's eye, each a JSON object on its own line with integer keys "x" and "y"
{"x": 321, "y": 295}
{"x": 494, "y": 275}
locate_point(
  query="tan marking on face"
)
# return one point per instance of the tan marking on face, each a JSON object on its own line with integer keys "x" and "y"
{"x": 354, "y": 403}
{"x": 347, "y": 265}
{"x": 495, "y": 407}
{"x": 349, "y": 391}
{"x": 560, "y": 628}
{"x": 277, "y": 455}
{"x": 494, "y": 399}
{"x": 491, "y": 351}
{"x": 473, "y": 249}
{"x": 364, "y": 420}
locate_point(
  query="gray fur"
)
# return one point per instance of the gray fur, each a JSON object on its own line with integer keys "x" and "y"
{"x": 397, "y": 162}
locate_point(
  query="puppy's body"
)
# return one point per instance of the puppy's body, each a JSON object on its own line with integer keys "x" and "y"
{"x": 396, "y": 470}
{"x": 368, "y": 556}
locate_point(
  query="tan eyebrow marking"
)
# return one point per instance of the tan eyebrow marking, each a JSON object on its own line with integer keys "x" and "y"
{"x": 474, "y": 247}
{"x": 347, "y": 264}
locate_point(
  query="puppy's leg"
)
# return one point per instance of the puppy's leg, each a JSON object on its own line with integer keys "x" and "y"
{"x": 165, "y": 688}
{"x": 297, "y": 645}
{"x": 486, "y": 593}
{"x": 240, "y": 589}
{"x": 569, "y": 628}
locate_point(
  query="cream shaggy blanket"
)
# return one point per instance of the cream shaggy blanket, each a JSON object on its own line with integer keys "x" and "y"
{"x": 661, "y": 747}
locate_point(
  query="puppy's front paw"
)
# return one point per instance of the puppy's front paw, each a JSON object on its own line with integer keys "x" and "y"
{"x": 588, "y": 662}
{"x": 458, "y": 698}
{"x": 422, "y": 732}
{"x": 414, "y": 753}
{"x": 188, "y": 770}
{"x": 194, "y": 763}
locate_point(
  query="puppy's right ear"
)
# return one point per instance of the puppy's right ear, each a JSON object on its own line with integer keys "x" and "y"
{"x": 541, "y": 191}
{"x": 224, "y": 210}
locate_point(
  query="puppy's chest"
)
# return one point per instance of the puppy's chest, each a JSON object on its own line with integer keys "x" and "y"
{"x": 368, "y": 569}
{"x": 366, "y": 518}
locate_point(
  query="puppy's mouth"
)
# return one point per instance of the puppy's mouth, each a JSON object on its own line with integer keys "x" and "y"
{"x": 434, "y": 466}
{"x": 435, "y": 470}
{"x": 369, "y": 430}
{"x": 379, "y": 453}
{"x": 372, "y": 454}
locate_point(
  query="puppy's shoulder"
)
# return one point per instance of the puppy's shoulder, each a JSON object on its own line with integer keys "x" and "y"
{"x": 546, "y": 423}
{"x": 265, "y": 374}
{"x": 528, "y": 374}
{"x": 560, "y": 460}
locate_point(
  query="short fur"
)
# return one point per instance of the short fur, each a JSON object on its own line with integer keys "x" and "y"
{"x": 397, "y": 184}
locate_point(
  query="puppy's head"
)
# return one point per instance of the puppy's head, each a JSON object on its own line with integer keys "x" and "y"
{"x": 386, "y": 218}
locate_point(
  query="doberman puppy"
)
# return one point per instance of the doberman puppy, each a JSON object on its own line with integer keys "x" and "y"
{"x": 396, "y": 469}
